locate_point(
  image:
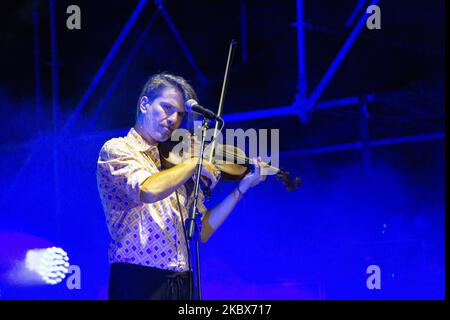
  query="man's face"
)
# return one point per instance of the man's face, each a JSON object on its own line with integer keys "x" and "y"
{"x": 163, "y": 115}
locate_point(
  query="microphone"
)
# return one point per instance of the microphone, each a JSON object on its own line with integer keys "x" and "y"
{"x": 193, "y": 106}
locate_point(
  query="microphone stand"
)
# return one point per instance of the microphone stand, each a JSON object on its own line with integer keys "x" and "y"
{"x": 194, "y": 217}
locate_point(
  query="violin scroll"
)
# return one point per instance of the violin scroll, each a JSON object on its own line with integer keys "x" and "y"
{"x": 286, "y": 179}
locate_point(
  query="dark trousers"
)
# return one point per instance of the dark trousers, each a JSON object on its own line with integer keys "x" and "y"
{"x": 134, "y": 282}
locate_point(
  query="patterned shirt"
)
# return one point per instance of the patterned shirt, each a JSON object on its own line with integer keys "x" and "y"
{"x": 148, "y": 234}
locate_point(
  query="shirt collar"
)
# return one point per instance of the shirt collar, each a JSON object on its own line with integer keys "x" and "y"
{"x": 138, "y": 142}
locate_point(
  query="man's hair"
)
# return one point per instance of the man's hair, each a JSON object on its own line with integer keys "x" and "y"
{"x": 158, "y": 82}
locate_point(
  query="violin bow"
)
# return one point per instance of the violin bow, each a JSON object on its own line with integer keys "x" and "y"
{"x": 231, "y": 50}
{"x": 281, "y": 175}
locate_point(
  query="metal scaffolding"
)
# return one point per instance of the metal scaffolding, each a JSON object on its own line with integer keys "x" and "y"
{"x": 303, "y": 105}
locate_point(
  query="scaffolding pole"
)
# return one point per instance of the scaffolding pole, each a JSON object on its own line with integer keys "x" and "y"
{"x": 55, "y": 103}
{"x": 301, "y": 97}
{"x": 331, "y": 71}
{"x": 183, "y": 46}
{"x": 101, "y": 71}
{"x": 112, "y": 87}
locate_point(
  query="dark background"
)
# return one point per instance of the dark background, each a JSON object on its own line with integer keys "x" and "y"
{"x": 382, "y": 205}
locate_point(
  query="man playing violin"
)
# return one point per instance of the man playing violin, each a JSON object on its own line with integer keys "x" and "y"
{"x": 145, "y": 207}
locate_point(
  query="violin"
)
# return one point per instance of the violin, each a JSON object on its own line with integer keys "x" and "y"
{"x": 231, "y": 161}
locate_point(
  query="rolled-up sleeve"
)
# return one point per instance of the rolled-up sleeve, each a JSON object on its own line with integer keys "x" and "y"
{"x": 118, "y": 167}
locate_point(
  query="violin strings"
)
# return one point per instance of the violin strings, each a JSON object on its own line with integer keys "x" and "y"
{"x": 243, "y": 158}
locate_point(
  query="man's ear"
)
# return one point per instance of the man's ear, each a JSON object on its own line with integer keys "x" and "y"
{"x": 143, "y": 104}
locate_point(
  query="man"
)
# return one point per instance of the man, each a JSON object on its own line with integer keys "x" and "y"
{"x": 148, "y": 253}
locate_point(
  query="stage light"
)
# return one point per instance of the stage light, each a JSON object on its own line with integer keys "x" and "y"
{"x": 50, "y": 264}
{"x": 40, "y": 266}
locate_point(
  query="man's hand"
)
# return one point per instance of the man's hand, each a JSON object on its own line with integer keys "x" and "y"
{"x": 254, "y": 178}
{"x": 209, "y": 171}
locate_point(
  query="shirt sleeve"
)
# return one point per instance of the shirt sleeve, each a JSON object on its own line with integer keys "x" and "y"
{"x": 121, "y": 168}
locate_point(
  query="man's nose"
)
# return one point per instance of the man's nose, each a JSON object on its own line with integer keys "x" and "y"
{"x": 173, "y": 118}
